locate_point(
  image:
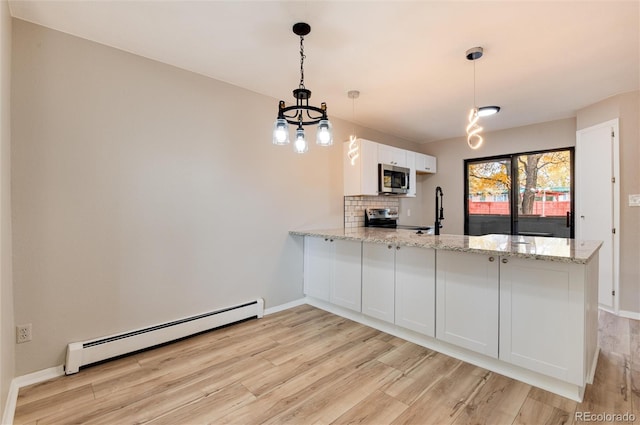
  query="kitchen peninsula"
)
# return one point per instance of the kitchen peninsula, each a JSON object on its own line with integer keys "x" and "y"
{"x": 525, "y": 307}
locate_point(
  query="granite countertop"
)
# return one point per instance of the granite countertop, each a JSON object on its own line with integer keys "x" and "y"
{"x": 530, "y": 247}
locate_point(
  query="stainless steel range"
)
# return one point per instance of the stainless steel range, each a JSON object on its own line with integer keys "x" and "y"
{"x": 388, "y": 218}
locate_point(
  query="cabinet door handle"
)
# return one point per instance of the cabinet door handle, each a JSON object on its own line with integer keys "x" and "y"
{"x": 491, "y": 259}
{"x": 326, "y": 239}
{"x": 505, "y": 261}
{"x": 389, "y": 246}
{"x": 397, "y": 247}
{"x": 330, "y": 240}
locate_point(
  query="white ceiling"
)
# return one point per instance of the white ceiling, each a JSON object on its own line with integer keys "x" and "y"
{"x": 543, "y": 60}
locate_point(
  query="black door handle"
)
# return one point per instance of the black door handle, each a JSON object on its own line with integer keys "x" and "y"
{"x": 568, "y": 218}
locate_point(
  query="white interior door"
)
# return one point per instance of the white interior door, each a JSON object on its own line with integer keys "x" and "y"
{"x": 597, "y": 198}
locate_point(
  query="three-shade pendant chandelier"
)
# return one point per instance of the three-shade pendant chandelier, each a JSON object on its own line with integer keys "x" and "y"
{"x": 302, "y": 114}
{"x": 474, "y": 136}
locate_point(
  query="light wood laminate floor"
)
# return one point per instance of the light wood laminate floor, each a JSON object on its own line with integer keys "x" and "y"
{"x": 307, "y": 366}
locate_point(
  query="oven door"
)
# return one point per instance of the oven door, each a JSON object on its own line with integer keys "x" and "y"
{"x": 393, "y": 179}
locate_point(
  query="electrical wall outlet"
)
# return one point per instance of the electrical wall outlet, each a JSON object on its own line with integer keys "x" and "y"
{"x": 23, "y": 333}
{"x": 634, "y": 200}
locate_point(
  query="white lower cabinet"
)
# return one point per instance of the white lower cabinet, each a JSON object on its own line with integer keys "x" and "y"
{"x": 416, "y": 289}
{"x": 378, "y": 281}
{"x": 467, "y": 293}
{"x": 332, "y": 270}
{"x": 528, "y": 313}
{"x": 318, "y": 267}
{"x": 542, "y": 317}
{"x": 533, "y": 314}
{"x": 346, "y": 285}
{"x": 398, "y": 285}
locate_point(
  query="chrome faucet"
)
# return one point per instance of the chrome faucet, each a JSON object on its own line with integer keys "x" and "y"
{"x": 439, "y": 211}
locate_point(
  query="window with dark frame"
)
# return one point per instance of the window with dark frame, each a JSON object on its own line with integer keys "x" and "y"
{"x": 529, "y": 193}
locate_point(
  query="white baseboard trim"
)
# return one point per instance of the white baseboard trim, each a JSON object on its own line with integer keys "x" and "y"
{"x": 23, "y": 381}
{"x": 53, "y": 372}
{"x": 285, "y": 306}
{"x": 10, "y": 404}
{"x": 557, "y": 386}
{"x": 629, "y": 314}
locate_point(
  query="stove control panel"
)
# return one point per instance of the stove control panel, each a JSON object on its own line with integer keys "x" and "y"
{"x": 382, "y": 213}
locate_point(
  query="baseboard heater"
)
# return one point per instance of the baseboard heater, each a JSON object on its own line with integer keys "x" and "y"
{"x": 100, "y": 349}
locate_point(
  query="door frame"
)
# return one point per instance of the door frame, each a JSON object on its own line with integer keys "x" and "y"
{"x": 615, "y": 207}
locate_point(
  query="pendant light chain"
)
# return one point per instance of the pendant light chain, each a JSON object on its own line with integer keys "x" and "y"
{"x": 302, "y": 57}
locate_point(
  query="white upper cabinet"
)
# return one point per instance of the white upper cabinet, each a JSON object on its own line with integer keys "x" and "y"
{"x": 392, "y": 156}
{"x": 425, "y": 164}
{"x": 411, "y": 161}
{"x": 360, "y": 164}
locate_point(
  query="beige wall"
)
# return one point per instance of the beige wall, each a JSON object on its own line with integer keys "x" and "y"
{"x": 451, "y": 154}
{"x": 625, "y": 107}
{"x": 143, "y": 193}
{"x": 7, "y": 366}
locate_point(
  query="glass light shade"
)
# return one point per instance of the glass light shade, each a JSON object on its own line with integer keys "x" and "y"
{"x": 281, "y": 132}
{"x": 324, "y": 135}
{"x": 300, "y": 144}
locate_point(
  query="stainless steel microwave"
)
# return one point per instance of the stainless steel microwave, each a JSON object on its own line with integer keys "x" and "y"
{"x": 393, "y": 179}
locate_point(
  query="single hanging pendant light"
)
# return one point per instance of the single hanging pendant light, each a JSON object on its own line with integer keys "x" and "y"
{"x": 353, "y": 150}
{"x": 474, "y": 136}
{"x": 303, "y": 113}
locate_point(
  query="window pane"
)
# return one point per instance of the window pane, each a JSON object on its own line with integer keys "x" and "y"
{"x": 544, "y": 193}
{"x": 489, "y": 186}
